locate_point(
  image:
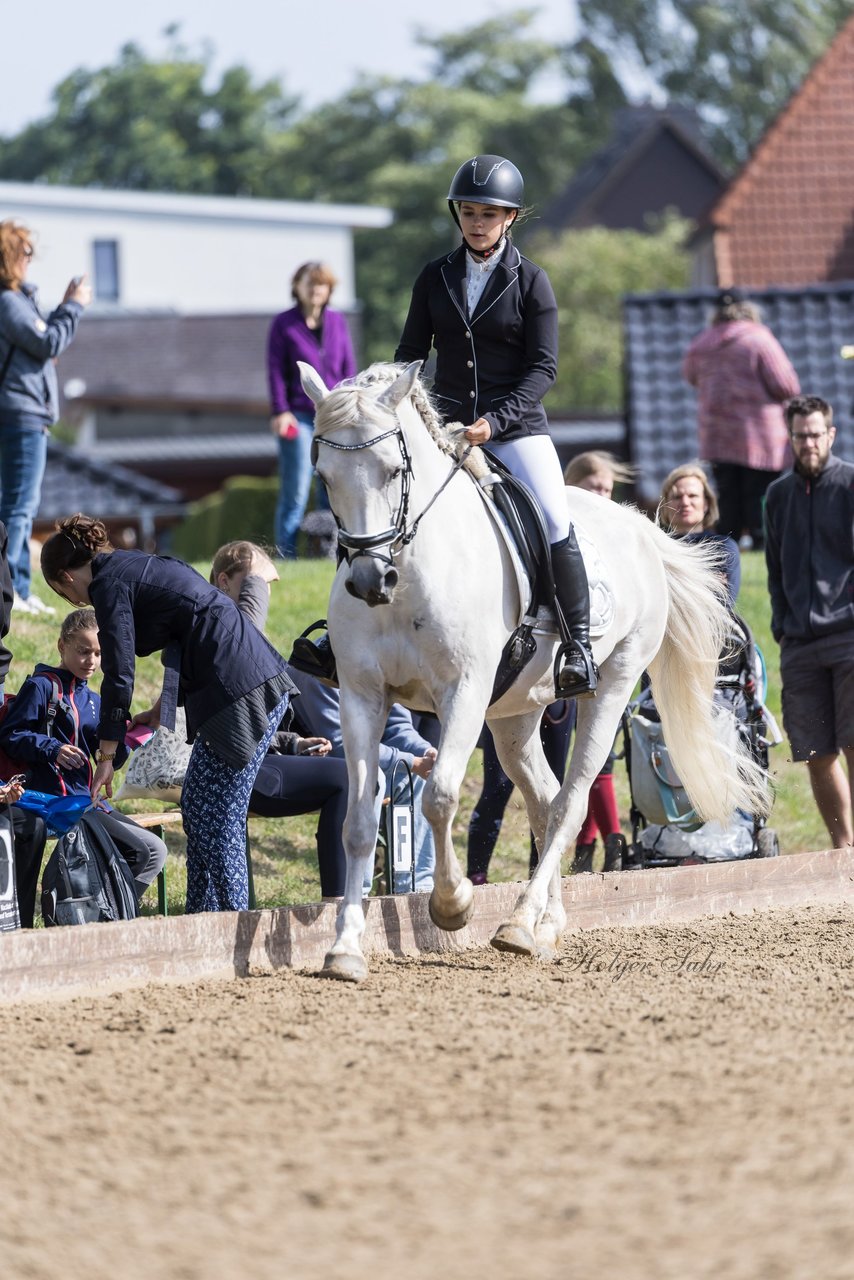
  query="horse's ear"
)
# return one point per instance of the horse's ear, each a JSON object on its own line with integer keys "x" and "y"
{"x": 401, "y": 387}
{"x": 312, "y": 383}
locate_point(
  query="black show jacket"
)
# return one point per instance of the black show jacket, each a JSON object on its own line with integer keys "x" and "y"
{"x": 144, "y": 603}
{"x": 500, "y": 362}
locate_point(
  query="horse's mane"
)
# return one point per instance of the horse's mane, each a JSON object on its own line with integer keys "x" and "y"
{"x": 354, "y": 401}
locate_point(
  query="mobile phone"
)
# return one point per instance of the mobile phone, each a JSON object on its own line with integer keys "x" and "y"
{"x": 312, "y": 751}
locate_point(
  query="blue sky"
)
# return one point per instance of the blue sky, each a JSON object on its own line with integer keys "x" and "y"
{"x": 317, "y": 46}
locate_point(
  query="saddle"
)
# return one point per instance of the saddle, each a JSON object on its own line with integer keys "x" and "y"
{"x": 526, "y": 524}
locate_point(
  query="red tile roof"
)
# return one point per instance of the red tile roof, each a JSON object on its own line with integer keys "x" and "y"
{"x": 788, "y": 216}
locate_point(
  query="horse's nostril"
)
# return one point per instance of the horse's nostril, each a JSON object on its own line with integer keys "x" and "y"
{"x": 390, "y": 580}
{"x": 349, "y": 586}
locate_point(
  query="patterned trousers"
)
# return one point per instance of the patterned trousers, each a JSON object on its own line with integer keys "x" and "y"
{"x": 214, "y": 806}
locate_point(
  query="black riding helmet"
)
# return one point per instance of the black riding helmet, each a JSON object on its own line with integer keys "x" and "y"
{"x": 487, "y": 180}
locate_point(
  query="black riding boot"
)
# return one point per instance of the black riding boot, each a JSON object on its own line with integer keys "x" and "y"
{"x": 576, "y": 674}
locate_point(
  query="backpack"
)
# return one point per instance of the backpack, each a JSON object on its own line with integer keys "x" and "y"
{"x": 9, "y": 766}
{"x": 86, "y": 878}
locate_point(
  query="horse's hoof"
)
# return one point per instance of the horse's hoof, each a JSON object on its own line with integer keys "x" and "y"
{"x": 514, "y": 938}
{"x": 458, "y": 919}
{"x": 546, "y": 948}
{"x": 344, "y": 967}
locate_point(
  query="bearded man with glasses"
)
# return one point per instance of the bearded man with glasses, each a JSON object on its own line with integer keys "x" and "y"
{"x": 809, "y": 551}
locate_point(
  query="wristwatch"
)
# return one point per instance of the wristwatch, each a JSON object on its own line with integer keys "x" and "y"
{"x": 102, "y": 757}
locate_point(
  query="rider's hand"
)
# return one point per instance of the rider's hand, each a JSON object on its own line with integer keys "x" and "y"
{"x": 423, "y": 765}
{"x": 479, "y": 432}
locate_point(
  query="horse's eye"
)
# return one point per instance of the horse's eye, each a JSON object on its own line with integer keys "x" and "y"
{"x": 395, "y": 473}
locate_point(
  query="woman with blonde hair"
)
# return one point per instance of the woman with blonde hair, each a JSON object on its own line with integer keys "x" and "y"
{"x": 29, "y": 398}
{"x": 597, "y": 472}
{"x": 689, "y": 509}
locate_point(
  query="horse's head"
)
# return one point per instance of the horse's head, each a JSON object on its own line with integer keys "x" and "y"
{"x": 361, "y": 453}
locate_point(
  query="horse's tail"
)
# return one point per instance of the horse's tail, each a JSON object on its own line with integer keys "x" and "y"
{"x": 709, "y": 755}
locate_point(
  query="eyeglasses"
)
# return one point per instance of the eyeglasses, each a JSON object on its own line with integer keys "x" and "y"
{"x": 801, "y": 437}
{"x": 26, "y": 251}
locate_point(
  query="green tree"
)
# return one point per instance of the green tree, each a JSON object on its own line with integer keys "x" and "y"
{"x": 738, "y": 62}
{"x": 590, "y": 271}
{"x": 154, "y": 125}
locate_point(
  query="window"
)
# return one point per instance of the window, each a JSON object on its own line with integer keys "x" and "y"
{"x": 106, "y": 257}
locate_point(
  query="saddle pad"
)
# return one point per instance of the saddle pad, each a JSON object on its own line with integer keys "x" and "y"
{"x": 602, "y": 602}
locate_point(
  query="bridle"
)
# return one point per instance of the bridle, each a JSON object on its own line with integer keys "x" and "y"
{"x": 398, "y": 535}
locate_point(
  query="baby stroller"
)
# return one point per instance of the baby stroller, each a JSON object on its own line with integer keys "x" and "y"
{"x": 666, "y": 831}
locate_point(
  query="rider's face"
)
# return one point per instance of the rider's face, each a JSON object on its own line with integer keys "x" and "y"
{"x": 686, "y": 505}
{"x": 483, "y": 225}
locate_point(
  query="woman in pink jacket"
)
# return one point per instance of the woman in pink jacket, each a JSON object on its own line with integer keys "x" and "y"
{"x": 743, "y": 377}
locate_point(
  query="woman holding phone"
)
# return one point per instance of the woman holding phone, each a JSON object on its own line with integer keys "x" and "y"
{"x": 29, "y": 398}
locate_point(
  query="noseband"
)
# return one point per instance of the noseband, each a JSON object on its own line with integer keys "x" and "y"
{"x": 397, "y": 536}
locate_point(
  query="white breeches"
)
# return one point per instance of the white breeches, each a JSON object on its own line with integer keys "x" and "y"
{"x": 534, "y": 460}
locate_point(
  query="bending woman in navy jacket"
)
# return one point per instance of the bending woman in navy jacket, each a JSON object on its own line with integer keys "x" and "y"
{"x": 52, "y": 726}
{"x": 230, "y": 680}
{"x": 492, "y": 317}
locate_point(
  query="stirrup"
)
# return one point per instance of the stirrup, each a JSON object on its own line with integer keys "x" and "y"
{"x": 570, "y": 680}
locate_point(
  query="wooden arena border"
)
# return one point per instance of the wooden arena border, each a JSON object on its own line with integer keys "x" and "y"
{"x": 44, "y": 963}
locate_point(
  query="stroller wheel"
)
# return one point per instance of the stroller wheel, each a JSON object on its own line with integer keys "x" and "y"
{"x": 767, "y": 843}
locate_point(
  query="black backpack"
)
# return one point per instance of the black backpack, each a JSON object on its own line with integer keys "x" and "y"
{"x": 86, "y": 878}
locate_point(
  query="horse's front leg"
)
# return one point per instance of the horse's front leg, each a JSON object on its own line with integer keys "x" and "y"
{"x": 362, "y": 721}
{"x": 452, "y": 898}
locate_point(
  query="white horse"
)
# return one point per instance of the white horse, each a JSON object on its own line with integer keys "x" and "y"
{"x": 420, "y": 611}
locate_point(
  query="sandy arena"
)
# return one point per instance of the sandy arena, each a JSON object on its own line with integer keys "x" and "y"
{"x": 663, "y": 1102}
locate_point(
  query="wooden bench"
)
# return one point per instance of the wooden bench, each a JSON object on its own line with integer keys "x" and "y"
{"x": 156, "y": 822}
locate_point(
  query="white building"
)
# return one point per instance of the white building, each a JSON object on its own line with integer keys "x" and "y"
{"x": 194, "y": 255}
{"x": 167, "y": 372}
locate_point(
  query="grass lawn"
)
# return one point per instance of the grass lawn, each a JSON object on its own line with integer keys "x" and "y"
{"x": 284, "y": 852}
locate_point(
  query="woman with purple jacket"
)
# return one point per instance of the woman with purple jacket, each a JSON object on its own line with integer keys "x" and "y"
{"x": 310, "y": 331}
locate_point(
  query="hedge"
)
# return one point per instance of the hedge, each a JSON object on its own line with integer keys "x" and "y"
{"x": 243, "y": 508}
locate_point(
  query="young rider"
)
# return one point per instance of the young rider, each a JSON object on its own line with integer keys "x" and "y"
{"x": 492, "y": 317}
